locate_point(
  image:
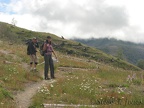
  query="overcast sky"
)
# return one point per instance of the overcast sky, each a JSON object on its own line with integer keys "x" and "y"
{"x": 121, "y": 19}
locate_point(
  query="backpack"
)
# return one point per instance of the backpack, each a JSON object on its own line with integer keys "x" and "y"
{"x": 28, "y": 52}
{"x": 27, "y": 43}
{"x": 41, "y": 49}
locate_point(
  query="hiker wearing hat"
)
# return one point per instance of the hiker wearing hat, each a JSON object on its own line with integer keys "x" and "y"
{"x": 48, "y": 49}
{"x": 32, "y": 53}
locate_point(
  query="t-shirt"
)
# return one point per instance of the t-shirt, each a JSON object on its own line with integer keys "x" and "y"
{"x": 49, "y": 49}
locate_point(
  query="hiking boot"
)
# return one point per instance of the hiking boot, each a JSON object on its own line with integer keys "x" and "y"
{"x": 53, "y": 77}
{"x": 47, "y": 78}
{"x": 35, "y": 70}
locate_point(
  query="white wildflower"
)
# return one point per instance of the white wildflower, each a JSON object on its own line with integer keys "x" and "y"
{"x": 51, "y": 86}
{"x": 2, "y": 103}
{"x": 100, "y": 86}
{"x": 42, "y": 90}
{"x": 45, "y": 87}
{"x": 122, "y": 97}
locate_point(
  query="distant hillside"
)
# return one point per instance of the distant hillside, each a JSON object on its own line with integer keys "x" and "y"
{"x": 129, "y": 51}
{"x": 16, "y": 35}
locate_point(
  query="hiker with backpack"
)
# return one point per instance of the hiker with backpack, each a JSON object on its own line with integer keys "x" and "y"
{"x": 31, "y": 51}
{"x": 48, "y": 50}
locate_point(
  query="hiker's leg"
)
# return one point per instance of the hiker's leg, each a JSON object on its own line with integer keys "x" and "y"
{"x": 31, "y": 61}
{"x": 51, "y": 67}
{"x": 35, "y": 61}
{"x": 46, "y": 66}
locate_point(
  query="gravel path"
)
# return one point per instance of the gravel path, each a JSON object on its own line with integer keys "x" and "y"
{"x": 24, "y": 98}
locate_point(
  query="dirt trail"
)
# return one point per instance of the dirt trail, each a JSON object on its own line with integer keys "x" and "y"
{"x": 23, "y": 99}
{"x": 73, "y": 68}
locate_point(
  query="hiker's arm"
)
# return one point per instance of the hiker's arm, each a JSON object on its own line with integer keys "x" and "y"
{"x": 54, "y": 53}
{"x": 44, "y": 47}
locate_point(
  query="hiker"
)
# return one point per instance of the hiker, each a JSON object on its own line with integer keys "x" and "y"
{"x": 62, "y": 37}
{"x": 48, "y": 49}
{"x": 32, "y": 53}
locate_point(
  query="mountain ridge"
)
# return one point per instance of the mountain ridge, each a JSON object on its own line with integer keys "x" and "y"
{"x": 132, "y": 52}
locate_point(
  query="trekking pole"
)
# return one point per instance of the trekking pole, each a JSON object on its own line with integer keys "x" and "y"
{"x": 41, "y": 63}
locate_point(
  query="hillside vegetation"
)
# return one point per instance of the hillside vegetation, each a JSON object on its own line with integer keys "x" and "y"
{"x": 99, "y": 85}
{"x": 128, "y": 51}
{"x": 84, "y": 75}
{"x": 18, "y": 35}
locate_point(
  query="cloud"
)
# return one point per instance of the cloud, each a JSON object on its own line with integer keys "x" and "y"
{"x": 83, "y": 18}
{"x": 2, "y": 6}
{"x": 134, "y": 34}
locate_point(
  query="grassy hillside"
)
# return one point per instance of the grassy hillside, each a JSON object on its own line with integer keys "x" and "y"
{"x": 130, "y": 52}
{"x": 18, "y": 35}
{"x": 98, "y": 84}
{"x": 79, "y": 81}
{"x": 84, "y": 75}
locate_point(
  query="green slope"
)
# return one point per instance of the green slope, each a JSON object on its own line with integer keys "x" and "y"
{"x": 18, "y": 35}
{"x": 130, "y": 52}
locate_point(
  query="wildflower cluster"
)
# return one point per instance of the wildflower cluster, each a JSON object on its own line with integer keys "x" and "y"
{"x": 88, "y": 86}
{"x": 120, "y": 90}
{"x": 44, "y": 90}
{"x": 85, "y": 86}
{"x": 13, "y": 72}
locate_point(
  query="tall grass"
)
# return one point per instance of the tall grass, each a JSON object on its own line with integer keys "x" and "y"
{"x": 106, "y": 87}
